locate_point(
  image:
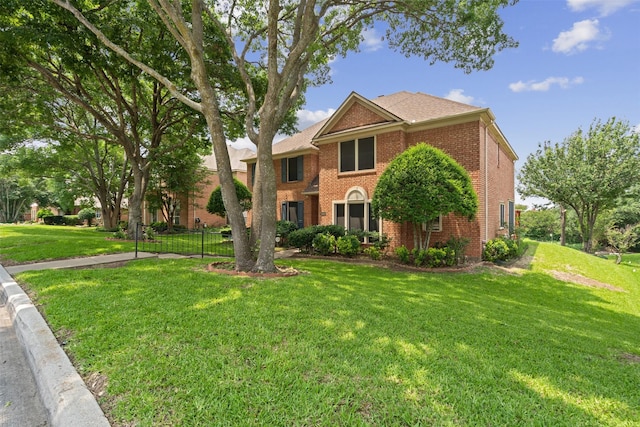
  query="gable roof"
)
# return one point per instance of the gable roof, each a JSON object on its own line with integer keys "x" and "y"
{"x": 235, "y": 155}
{"x": 418, "y": 107}
{"x": 401, "y": 109}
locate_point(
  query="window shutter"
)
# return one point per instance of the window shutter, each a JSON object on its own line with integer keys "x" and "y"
{"x": 300, "y": 169}
{"x": 283, "y": 169}
{"x": 300, "y": 214}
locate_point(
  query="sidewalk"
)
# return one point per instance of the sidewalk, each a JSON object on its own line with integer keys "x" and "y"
{"x": 38, "y": 384}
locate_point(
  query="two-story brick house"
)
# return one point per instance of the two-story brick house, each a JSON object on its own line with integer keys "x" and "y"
{"x": 328, "y": 172}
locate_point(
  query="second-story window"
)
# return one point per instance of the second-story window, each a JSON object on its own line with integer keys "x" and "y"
{"x": 357, "y": 154}
{"x": 292, "y": 169}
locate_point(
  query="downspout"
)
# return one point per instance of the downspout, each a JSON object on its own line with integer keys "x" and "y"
{"x": 486, "y": 184}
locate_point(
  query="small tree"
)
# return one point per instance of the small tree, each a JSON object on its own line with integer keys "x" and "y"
{"x": 87, "y": 214}
{"x": 623, "y": 238}
{"x": 216, "y": 205}
{"x": 587, "y": 172}
{"x": 421, "y": 184}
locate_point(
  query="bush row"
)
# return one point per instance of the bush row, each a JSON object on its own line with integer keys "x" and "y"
{"x": 442, "y": 255}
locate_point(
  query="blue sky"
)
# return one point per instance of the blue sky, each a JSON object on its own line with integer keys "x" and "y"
{"x": 578, "y": 60}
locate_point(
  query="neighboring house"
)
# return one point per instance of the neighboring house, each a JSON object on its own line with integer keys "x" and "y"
{"x": 328, "y": 172}
{"x": 192, "y": 211}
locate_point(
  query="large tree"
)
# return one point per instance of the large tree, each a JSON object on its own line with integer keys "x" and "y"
{"x": 421, "y": 184}
{"x": 587, "y": 172}
{"x": 49, "y": 55}
{"x": 290, "y": 43}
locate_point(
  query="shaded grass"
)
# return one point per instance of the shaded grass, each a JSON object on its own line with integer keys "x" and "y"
{"x": 349, "y": 344}
{"x": 29, "y": 243}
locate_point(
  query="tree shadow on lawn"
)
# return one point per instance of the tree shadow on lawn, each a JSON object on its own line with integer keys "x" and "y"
{"x": 485, "y": 348}
{"x": 355, "y": 344}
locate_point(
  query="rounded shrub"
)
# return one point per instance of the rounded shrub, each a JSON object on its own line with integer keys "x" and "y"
{"x": 324, "y": 243}
{"x": 348, "y": 245}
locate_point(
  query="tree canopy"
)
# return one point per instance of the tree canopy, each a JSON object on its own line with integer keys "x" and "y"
{"x": 587, "y": 172}
{"x": 278, "y": 49}
{"x": 419, "y": 185}
{"x": 216, "y": 205}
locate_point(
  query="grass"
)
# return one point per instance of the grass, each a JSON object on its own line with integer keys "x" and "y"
{"x": 349, "y": 344}
{"x": 29, "y": 243}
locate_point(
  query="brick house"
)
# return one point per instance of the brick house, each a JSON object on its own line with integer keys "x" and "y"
{"x": 328, "y": 172}
{"x": 191, "y": 211}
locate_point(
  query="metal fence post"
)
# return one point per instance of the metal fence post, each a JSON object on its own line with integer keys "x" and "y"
{"x": 202, "y": 246}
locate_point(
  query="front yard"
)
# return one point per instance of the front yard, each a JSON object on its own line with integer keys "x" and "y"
{"x": 164, "y": 342}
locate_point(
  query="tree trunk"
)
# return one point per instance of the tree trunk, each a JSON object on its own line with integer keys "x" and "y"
{"x": 563, "y": 225}
{"x": 267, "y": 196}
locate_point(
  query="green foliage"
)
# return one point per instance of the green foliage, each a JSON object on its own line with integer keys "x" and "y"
{"x": 43, "y": 212}
{"x": 348, "y": 245}
{"x": 373, "y": 252}
{"x": 421, "y": 184}
{"x": 303, "y": 238}
{"x": 403, "y": 254}
{"x": 120, "y": 234}
{"x": 587, "y": 172}
{"x": 54, "y": 220}
{"x": 501, "y": 249}
{"x": 283, "y": 229}
{"x": 87, "y": 214}
{"x": 623, "y": 238}
{"x": 379, "y": 240}
{"x": 216, "y": 205}
{"x": 458, "y": 245}
{"x": 159, "y": 226}
{"x": 324, "y": 243}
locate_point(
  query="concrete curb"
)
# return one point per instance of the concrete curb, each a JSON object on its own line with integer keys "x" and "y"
{"x": 68, "y": 401}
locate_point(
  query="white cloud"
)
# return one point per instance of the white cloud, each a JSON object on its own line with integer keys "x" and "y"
{"x": 545, "y": 85}
{"x": 306, "y": 118}
{"x": 605, "y": 7}
{"x": 372, "y": 40}
{"x": 458, "y": 96}
{"x": 579, "y": 37}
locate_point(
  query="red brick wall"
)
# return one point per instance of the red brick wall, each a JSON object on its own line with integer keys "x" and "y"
{"x": 357, "y": 116}
{"x": 292, "y": 191}
{"x": 463, "y": 142}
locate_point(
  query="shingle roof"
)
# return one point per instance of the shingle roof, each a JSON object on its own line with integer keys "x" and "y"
{"x": 420, "y": 106}
{"x": 235, "y": 155}
{"x": 407, "y": 106}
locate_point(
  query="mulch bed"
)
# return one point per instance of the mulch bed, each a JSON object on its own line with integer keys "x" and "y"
{"x": 229, "y": 268}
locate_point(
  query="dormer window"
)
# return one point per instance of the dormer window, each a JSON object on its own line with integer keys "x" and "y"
{"x": 357, "y": 154}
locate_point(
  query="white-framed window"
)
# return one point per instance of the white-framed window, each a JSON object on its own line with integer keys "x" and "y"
{"x": 176, "y": 213}
{"x": 436, "y": 226}
{"x": 354, "y": 213}
{"x": 502, "y": 216}
{"x": 357, "y": 154}
{"x": 292, "y": 169}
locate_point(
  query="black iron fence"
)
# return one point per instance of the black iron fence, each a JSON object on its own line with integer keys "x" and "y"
{"x": 201, "y": 242}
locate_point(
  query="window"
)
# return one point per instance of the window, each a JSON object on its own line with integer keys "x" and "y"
{"x": 355, "y": 213}
{"x": 357, "y": 155}
{"x": 294, "y": 212}
{"x": 292, "y": 169}
{"x": 502, "y": 216}
{"x": 436, "y": 225}
{"x": 176, "y": 213}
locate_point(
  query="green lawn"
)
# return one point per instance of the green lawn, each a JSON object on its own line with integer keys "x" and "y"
{"x": 349, "y": 344}
{"x": 37, "y": 242}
